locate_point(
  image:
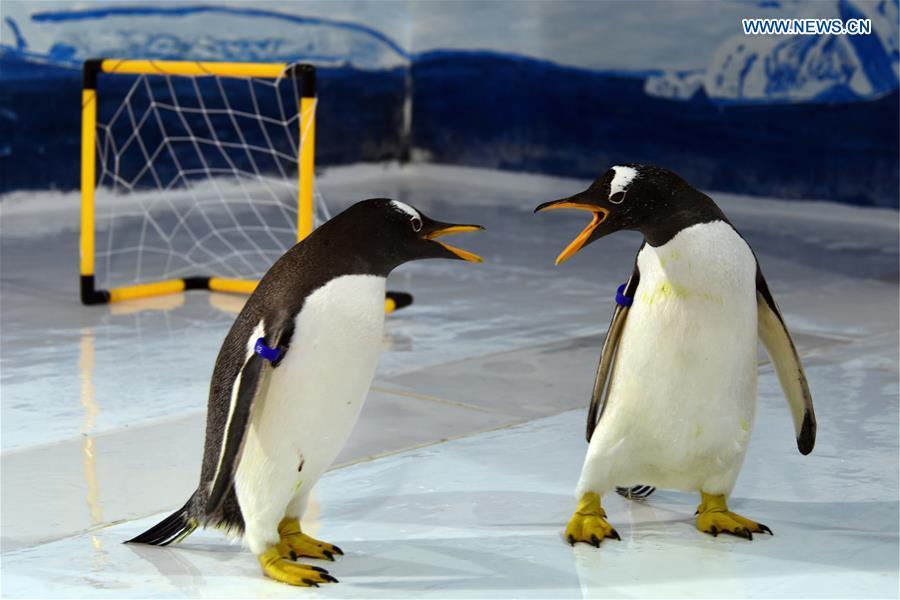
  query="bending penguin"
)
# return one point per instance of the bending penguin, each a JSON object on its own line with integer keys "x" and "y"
{"x": 291, "y": 378}
{"x": 675, "y": 392}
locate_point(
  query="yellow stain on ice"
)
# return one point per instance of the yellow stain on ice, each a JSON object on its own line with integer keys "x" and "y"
{"x": 99, "y": 556}
{"x": 745, "y": 425}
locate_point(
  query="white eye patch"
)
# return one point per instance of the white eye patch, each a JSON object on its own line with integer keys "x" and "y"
{"x": 623, "y": 178}
{"x": 406, "y": 209}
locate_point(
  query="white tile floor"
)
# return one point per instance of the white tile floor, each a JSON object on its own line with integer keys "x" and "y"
{"x": 102, "y": 419}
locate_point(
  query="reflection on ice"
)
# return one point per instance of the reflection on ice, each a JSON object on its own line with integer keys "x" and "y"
{"x": 89, "y": 402}
{"x": 103, "y": 419}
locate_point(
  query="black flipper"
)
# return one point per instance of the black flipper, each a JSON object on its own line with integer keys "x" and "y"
{"x": 251, "y": 379}
{"x": 173, "y": 528}
{"x": 775, "y": 337}
{"x": 250, "y": 383}
{"x": 598, "y": 397}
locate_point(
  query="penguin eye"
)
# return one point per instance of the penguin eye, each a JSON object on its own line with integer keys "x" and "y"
{"x": 617, "y": 198}
{"x": 416, "y": 224}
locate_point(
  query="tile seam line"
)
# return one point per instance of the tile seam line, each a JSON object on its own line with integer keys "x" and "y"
{"x": 393, "y": 391}
{"x": 500, "y": 353}
{"x": 516, "y": 422}
{"x": 371, "y": 458}
{"x": 832, "y": 337}
{"x": 434, "y": 399}
{"x": 192, "y": 414}
{"x": 151, "y": 423}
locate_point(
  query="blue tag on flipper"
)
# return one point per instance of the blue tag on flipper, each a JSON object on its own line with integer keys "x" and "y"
{"x": 270, "y": 354}
{"x": 621, "y": 298}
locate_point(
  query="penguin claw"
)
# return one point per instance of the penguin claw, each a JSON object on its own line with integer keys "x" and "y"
{"x": 280, "y": 569}
{"x": 714, "y": 518}
{"x": 588, "y": 524}
{"x": 295, "y": 544}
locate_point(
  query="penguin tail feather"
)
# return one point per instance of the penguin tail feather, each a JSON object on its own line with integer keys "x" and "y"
{"x": 173, "y": 528}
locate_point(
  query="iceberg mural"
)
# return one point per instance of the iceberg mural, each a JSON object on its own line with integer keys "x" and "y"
{"x": 801, "y": 68}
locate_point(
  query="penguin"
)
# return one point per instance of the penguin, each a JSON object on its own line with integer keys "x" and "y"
{"x": 674, "y": 397}
{"x": 290, "y": 380}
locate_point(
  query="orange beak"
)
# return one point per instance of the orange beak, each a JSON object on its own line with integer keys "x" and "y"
{"x": 578, "y": 243}
{"x": 463, "y": 254}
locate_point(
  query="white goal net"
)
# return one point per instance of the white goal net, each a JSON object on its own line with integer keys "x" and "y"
{"x": 196, "y": 176}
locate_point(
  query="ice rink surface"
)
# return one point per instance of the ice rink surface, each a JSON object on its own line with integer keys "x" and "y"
{"x": 460, "y": 475}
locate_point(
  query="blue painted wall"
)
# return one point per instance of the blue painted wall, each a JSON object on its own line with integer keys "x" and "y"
{"x": 360, "y": 119}
{"x": 575, "y": 120}
{"x": 556, "y": 87}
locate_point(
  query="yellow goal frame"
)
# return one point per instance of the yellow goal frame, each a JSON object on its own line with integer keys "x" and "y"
{"x": 305, "y": 79}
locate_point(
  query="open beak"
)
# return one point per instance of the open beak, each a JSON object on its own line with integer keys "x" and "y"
{"x": 578, "y": 243}
{"x": 447, "y": 229}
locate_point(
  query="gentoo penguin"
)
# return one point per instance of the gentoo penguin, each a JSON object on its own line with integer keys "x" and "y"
{"x": 291, "y": 378}
{"x": 680, "y": 354}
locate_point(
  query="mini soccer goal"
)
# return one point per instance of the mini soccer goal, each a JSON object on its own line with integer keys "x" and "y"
{"x": 194, "y": 175}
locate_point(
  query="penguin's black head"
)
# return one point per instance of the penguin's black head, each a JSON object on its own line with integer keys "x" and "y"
{"x": 387, "y": 233}
{"x": 637, "y": 197}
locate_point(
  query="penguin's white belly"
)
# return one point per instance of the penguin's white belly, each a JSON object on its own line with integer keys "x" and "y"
{"x": 312, "y": 400}
{"x": 682, "y": 395}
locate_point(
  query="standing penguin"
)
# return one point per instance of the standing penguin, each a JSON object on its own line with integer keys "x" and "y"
{"x": 680, "y": 354}
{"x": 291, "y": 378}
